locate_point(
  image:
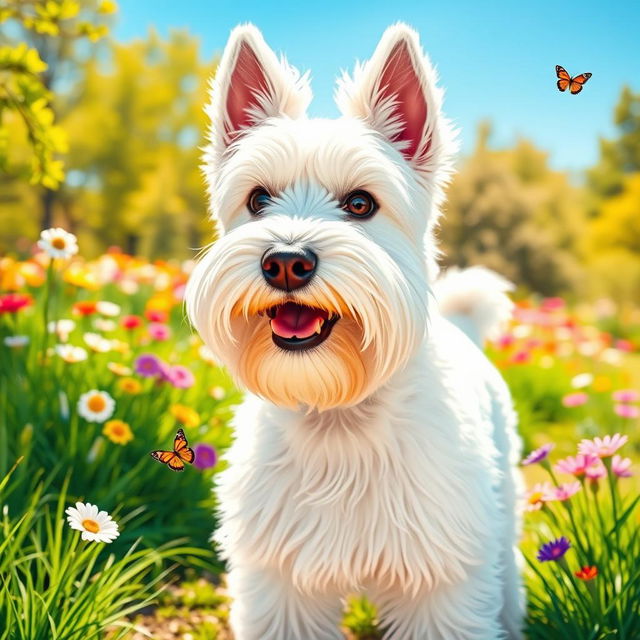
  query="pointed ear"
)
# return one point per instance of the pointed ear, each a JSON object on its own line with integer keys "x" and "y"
{"x": 250, "y": 85}
{"x": 396, "y": 93}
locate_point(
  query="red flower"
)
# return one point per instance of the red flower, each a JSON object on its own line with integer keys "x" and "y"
{"x": 85, "y": 307}
{"x": 13, "y": 302}
{"x": 131, "y": 322}
{"x": 156, "y": 315}
{"x": 587, "y": 573}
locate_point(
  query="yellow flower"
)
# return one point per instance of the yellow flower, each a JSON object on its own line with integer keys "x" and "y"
{"x": 601, "y": 383}
{"x": 185, "y": 415}
{"x": 118, "y": 431}
{"x": 129, "y": 385}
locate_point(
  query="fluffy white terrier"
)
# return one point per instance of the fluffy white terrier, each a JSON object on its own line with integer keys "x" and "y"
{"x": 376, "y": 451}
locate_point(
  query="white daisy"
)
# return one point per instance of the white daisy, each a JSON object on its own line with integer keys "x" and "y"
{"x": 97, "y": 343}
{"x": 97, "y": 526}
{"x": 109, "y": 309}
{"x": 71, "y": 354}
{"x": 58, "y": 243}
{"x": 96, "y": 406}
{"x": 102, "y": 324}
{"x": 62, "y": 328}
{"x": 15, "y": 342}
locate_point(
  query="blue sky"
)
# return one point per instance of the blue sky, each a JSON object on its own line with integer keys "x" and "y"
{"x": 495, "y": 59}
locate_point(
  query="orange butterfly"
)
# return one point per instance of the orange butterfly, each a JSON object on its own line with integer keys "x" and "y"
{"x": 574, "y": 84}
{"x": 181, "y": 453}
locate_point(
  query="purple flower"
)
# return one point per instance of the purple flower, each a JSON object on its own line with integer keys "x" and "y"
{"x": 148, "y": 366}
{"x": 538, "y": 455}
{"x": 553, "y": 550}
{"x": 206, "y": 456}
{"x": 179, "y": 376}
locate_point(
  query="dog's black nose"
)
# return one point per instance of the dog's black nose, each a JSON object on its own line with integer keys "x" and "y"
{"x": 289, "y": 269}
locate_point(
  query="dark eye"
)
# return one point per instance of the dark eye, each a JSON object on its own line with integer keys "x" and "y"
{"x": 360, "y": 204}
{"x": 258, "y": 200}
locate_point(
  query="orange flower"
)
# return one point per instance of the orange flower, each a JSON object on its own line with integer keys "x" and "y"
{"x": 85, "y": 307}
{"x": 601, "y": 383}
{"x": 587, "y": 573}
{"x": 185, "y": 415}
{"x": 129, "y": 385}
{"x": 118, "y": 431}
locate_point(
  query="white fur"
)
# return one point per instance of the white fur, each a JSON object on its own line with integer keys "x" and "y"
{"x": 384, "y": 460}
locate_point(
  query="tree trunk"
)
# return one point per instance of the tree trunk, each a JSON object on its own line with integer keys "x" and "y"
{"x": 47, "y": 201}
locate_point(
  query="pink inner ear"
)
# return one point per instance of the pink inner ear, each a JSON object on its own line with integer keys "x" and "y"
{"x": 400, "y": 82}
{"x": 247, "y": 79}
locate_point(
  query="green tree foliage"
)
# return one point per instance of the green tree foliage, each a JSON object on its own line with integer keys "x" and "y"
{"x": 620, "y": 156}
{"x": 135, "y": 181}
{"x": 37, "y": 37}
{"x": 507, "y": 210}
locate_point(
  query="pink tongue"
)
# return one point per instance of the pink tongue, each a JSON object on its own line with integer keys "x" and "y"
{"x": 295, "y": 321}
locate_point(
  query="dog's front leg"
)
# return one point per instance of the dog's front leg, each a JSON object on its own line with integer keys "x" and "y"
{"x": 464, "y": 611}
{"x": 267, "y": 606}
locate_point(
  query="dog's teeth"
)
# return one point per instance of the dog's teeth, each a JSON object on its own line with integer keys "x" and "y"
{"x": 319, "y": 328}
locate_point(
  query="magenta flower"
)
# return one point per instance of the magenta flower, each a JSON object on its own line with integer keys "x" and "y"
{"x": 575, "y": 399}
{"x": 576, "y": 466}
{"x": 538, "y": 455}
{"x": 565, "y": 491}
{"x": 602, "y": 447}
{"x": 148, "y": 366}
{"x": 621, "y": 466}
{"x": 206, "y": 456}
{"x": 626, "y": 396}
{"x": 179, "y": 376}
{"x": 159, "y": 332}
{"x": 628, "y": 411}
{"x": 553, "y": 550}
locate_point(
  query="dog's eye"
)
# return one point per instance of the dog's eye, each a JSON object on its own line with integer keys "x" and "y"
{"x": 360, "y": 204}
{"x": 258, "y": 200}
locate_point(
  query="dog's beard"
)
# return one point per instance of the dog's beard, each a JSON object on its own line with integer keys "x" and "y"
{"x": 332, "y": 374}
{"x": 381, "y": 307}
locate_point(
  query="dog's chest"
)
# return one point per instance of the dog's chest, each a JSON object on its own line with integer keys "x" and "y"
{"x": 398, "y": 502}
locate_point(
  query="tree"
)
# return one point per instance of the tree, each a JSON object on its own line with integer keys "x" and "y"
{"x": 135, "y": 180}
{"x": 49, "y": 33}
{"x": 620, "y": 156}
{"x": 509, "y": 211}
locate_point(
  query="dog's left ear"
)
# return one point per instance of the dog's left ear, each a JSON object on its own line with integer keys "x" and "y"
{"x": 396, "y": 93}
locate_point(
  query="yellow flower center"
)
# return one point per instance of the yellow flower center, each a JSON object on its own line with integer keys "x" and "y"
{"x": 96, "y": 403}
{"x": 535, "y": 497}
{"x": 58, "y": 243}
{"x": 91, "y": 525}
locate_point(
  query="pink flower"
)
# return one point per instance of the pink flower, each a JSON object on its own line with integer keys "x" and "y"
{"x": 602, "y": 447}
{"x": 626, "y": 396}
{"x": 520, "y": 357}
{"x": 539, "y": 494}
{"x": 596, "y": 472}
{"x": 505, "y": 341}
{"x": 179, "y": 376}
{"x": 620, "y": 466}
{"x": 628, "y": 411}
{"x": 565, "y": 491}
{"x": 159, "y": 332}
{"x": 624, "y": 345}
{"x": 575, "y": 399}
{"x": 576, "y": 466}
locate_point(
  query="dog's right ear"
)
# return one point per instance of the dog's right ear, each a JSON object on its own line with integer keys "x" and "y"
{"x": 251, "y": 85}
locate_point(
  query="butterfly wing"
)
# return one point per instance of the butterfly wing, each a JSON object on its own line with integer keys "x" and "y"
{"x": 169, "y": 458}
{"x": 564, "y": 79}
{"x": 578, "y": 82}
{"x": 182, "y": 449}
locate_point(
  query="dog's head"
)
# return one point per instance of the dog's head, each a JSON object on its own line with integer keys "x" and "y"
{"x": 316, "y": 290}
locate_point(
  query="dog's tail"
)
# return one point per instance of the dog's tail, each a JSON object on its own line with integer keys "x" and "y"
{"x": 475, "y": 299}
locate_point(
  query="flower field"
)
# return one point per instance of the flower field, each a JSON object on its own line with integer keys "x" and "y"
{"x": 99, "y": 368}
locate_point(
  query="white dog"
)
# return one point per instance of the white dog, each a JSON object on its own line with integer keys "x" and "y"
{"x": 376, "y": 451}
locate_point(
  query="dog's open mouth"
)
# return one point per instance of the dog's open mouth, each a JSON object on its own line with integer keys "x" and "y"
{"x": 296, "y": 327}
